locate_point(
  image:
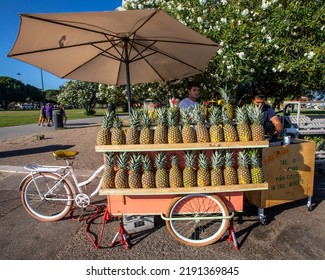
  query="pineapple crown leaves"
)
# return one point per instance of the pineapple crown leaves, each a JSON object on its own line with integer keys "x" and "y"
{"x": 241, "y": 115}
{"x": 190, "y": 157}
{"x": 229, "y": 158}
{"x": 109, "y": 160}
{"x": 217, "y": 159}
{"x": 146, "y": 120}
{"x": 197, "y": 113}
{"x": 161, "y": 116}
{"x": 160, "y": 160}
{"x": 255, "y": 114}
{"x": 122, "y": 160}
{"x": 203, "y": 160}
{"x": 117, "y": 122}
{"x": 225, "y": 118}
{"x": 226, "y": 95}
{"x": 108, "y": 119}
{"x": 243, "y": 158}
{"x": 135, "y": 162}
{"x": 254, "y": 158}
{"x": 173, "y": 115}
{"x": 135, "y": 116}
{"x": 215, "y": 116}
{"x": 186, "y": 116}
{"x": 146, "y": 163}
{"x": 174, "y": 160}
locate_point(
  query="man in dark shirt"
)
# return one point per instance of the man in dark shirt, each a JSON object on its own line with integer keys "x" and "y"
{"x": 269, "y": 116}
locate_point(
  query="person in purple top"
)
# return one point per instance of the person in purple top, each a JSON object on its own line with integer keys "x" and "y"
{"x": 49, "y": 114}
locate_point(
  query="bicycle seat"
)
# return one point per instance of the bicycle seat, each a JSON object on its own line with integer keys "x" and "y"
{"x": 65, "y": 154}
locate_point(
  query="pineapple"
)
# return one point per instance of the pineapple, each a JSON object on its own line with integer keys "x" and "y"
{"x": 132, "y": 134}
{"x": 256, "y": 169}
{"x": 188, "y": 132}
{"x": 229, "y": 130}
{"x": 134, "y": 173}
{"x": 121, "y": 175}
{"x": 104, "y": 134}
{"x": 216, "y": 130}
{"x": 256, "y": 117}
{"x": 229, "y": 172}
{"x": 160, "y": 134}
{"x": 227, "y": 103}
{"x": 243, "y": 128}
{"x": 216, "y": 171}
{"x": 243, "y": 172}
{"x": 148, "y": 177}
{"x": 161, "y": 176}
{"x": 108, "y": 181}
{"x": 118, "y": 135}
{"x": 202, "y": 132}
{"x": 174, "y": 133}
{"x": 203, "y": 173}
{"x": 175, "y": 173}
{"x": 189, "y": 172}
{"x": 146, "y": 134}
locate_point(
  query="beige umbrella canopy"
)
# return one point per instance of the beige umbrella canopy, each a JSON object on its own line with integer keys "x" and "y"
{"x": 117, "y": 47}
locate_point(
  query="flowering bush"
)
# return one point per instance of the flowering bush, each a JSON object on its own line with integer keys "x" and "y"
{"x": 275, "y": 45}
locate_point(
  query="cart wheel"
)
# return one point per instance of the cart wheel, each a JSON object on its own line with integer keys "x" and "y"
{"x": 196, "y": 219}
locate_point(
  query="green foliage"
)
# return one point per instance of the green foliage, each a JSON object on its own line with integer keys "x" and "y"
{"x": 275, "y": 46}
{"x": 80, "y": 94}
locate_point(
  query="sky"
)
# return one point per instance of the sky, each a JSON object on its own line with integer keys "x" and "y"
{"x": 9, "y": 28}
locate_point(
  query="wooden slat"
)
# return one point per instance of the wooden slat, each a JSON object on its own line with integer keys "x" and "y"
{"x": 181, "y": 146}
{"x": 208, "y": 189}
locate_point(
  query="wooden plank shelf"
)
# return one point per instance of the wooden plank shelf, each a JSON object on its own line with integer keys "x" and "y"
{"x": 181, "y": 146}
{"x": 168, "y": 191}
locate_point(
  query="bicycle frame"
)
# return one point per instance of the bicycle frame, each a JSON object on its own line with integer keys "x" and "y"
{"x": 64, "y": 172}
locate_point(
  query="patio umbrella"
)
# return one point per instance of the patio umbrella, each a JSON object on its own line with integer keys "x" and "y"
{"x": 116, "y": 47}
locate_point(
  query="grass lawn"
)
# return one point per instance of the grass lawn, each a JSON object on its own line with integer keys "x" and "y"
{"x": 20, "y": 117}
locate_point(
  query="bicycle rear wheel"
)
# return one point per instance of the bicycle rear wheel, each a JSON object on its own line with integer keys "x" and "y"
{"x": 197, "y": 219}
{"x": 45, "y": 198}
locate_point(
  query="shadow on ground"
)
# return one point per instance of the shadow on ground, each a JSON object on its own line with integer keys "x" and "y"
{"x": 32, "y": 151}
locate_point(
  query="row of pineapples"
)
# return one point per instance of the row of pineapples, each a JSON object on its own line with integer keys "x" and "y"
{"x": 246, "y": 127}
{"x": 136, "y": 170}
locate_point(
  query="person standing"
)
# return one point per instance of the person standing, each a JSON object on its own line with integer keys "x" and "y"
{"x": 49, "y": 114}
{"x": 62, "y": 112}
{"x": 193, "y": 89}
{"x": 42, "y": 117}
{"x": 269, "y": 116}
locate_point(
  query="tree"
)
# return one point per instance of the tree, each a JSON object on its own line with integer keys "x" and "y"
{"x": 273, "y": 45}
{"x": 80, "y": 94}
{"x": 11, "y": 90}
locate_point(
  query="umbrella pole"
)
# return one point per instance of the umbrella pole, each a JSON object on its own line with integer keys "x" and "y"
{"x": 127, "y": 62}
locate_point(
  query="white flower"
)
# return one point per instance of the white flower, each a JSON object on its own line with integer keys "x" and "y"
{"x": 223, "y": 2}
{"x": 268, "y": 38}
{"x": 263, "y": 29}
{"x": 179, "y": 7}
{"x": 265, "y": 4}
{"x": 202, "y": 2}
{"x": 310, "y": 55}
{"x": 280, "y": 67}
{"x": 245, "y": 12}
{"x": 273, "y": 69}
{"x": 220, "y": 51}
{"x": 221, "y": 43}
{"x": 239, "y": 22}
{"x": 199, "y": 20}
{"x": 252, "y": 70}
{"x": 241, "y": 55}
{"x": 276, "y": 46}
{"x": 231, "y": 66}
{"x": 224, "y": 20}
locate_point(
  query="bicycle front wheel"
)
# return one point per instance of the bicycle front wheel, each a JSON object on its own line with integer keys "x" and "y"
{"x": 46, "y": 198}
{"x": 197, "y": 219}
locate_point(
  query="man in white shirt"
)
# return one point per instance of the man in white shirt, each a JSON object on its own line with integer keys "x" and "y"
{"x": 193, "y": 89}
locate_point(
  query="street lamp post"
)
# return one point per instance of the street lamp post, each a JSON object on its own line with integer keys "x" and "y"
{"x": 43, "y": 93}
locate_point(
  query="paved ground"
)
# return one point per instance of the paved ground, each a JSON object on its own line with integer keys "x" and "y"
{"x": 292, "y": 232}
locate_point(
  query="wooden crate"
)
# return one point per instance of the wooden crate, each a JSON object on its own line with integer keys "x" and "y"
{"x": 289, "y": 171}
